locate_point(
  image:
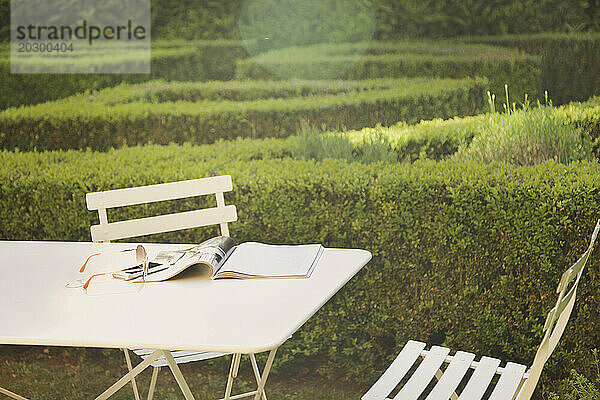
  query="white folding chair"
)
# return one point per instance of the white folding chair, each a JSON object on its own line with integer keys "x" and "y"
{"x": 221, "y": 215}
{"x": 515, "y": 381}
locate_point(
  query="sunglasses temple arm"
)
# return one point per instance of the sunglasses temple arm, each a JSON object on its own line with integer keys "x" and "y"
{"x": 85, "y": 286}
{"x": 97, "y": 254}
{"x": 87, "y": 260}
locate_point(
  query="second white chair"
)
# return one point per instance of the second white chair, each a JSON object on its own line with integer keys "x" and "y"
{"x": 514, "y": 381}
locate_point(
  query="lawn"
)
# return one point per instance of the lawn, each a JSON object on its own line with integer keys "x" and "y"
{"x": 74, "y": 373}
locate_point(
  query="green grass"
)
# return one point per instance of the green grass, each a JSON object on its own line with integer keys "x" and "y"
{"x": 528, "y": 137}
{"x": 74, "y": 373}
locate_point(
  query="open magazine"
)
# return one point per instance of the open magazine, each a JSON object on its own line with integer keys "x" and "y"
{"x": 226, "y": 260}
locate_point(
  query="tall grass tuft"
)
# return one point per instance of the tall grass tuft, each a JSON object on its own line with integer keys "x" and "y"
{"x": 314, "y": 143}
{"x": 527, "y": 137}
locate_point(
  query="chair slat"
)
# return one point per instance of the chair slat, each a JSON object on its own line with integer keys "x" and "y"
{"x": 453, "y": 375}
{"x": 160, "y": 192}
{"x": 175, "y": 353}
{"x": 180, "y": 356}
{"x": 509, "y": 382}
{"x": 163, "y": 223}
{"x": 481, "y": 379}
{"x": 395, "y": 372}
{"x": 424, "y": 374}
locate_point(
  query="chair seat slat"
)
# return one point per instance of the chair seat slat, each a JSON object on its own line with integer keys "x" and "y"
{"x": 180, "y": 356}
{"x": 509, "y": 382}
{"x": 481, "y": 379}
{"x": 395, "y": 372}
{"x": 161, "y": 362}
{"x": 453, "y": 375}
{"x": 175, "y": 353}
{"x": 424, "y": 374}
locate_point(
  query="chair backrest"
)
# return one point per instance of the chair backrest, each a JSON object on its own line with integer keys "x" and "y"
{"x": 557, "y": 318}
{"x": 221, "y": 214}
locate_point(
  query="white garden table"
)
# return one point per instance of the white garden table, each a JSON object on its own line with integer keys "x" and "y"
{"x": 190, "y": 313}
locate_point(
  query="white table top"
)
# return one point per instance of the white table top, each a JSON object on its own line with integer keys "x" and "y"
{"x": 188, "y": 313}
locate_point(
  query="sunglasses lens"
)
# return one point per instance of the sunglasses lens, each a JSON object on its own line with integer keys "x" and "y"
{"x": 140, "y": 254}
{"x": 75, "y": 284}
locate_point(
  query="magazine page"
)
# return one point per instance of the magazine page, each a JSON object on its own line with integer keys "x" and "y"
{"x": 258, "y": 260}
{"x": 170, "y": 263}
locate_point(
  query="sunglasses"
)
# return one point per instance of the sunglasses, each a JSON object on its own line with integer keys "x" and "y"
{"x": 141, "y": 260}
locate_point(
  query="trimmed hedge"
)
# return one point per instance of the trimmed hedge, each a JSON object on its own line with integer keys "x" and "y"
{"x": 394, "y": 19}
{"x": 78, "y": 123}
{"x": 160, "y": 91}
{"x": 439, "y": 139}
{"x": 466, "y": 253}
{"x": 570, "y": 62}
{"x": 424, "y": 47}
{"x": 175, "y": 60}
{"x": 520, "y": 72}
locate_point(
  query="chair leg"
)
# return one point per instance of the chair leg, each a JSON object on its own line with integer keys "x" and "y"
{"x": 155, "y": 372}
{"x": 257, "y": 374}
{"x": 185, "y": 389}
{"x": 136, "y": 394}
{"x": 233, "y": 371}
{"x": 11, "y": 394}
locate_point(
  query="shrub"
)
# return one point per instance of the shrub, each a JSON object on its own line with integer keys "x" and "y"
{"x": 439, "y": 139}
{"x": 176, "y": 60}
{"x": 439, "y": 18}
{"x": 411, "y": 47}
{"x": 570, "y": 62}
{"x": 580, "y": 387}
{"x": 465, "y": 251}
{"x": 499, "y": 66}
{"x": 528, "y": 137}
{"x": 434, "y": 139}
{"x": 454, "y": 18}
{"x": 585, "y": 116}
{"x": 81, "y": 121}
{"x": 160, "y": 91}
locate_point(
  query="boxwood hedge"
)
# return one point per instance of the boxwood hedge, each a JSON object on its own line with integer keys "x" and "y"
{"x": 570, "y": 62}
{"x": 521, "y": 72}
{"x": 171, "y": 60}
{"x": 438, "y": 139}
{"x": 83, "y": 121}
{"x": 464, "y": 253}
{"x": 159, "y": 91}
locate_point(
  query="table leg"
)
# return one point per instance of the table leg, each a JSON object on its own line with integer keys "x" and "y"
{"x": 130, "y": 375}
{"x": 257, "y": 374}
{"x": 187, "y": 393}
{"x": 265, "y": 374}
{"x": 136, "y": 394}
